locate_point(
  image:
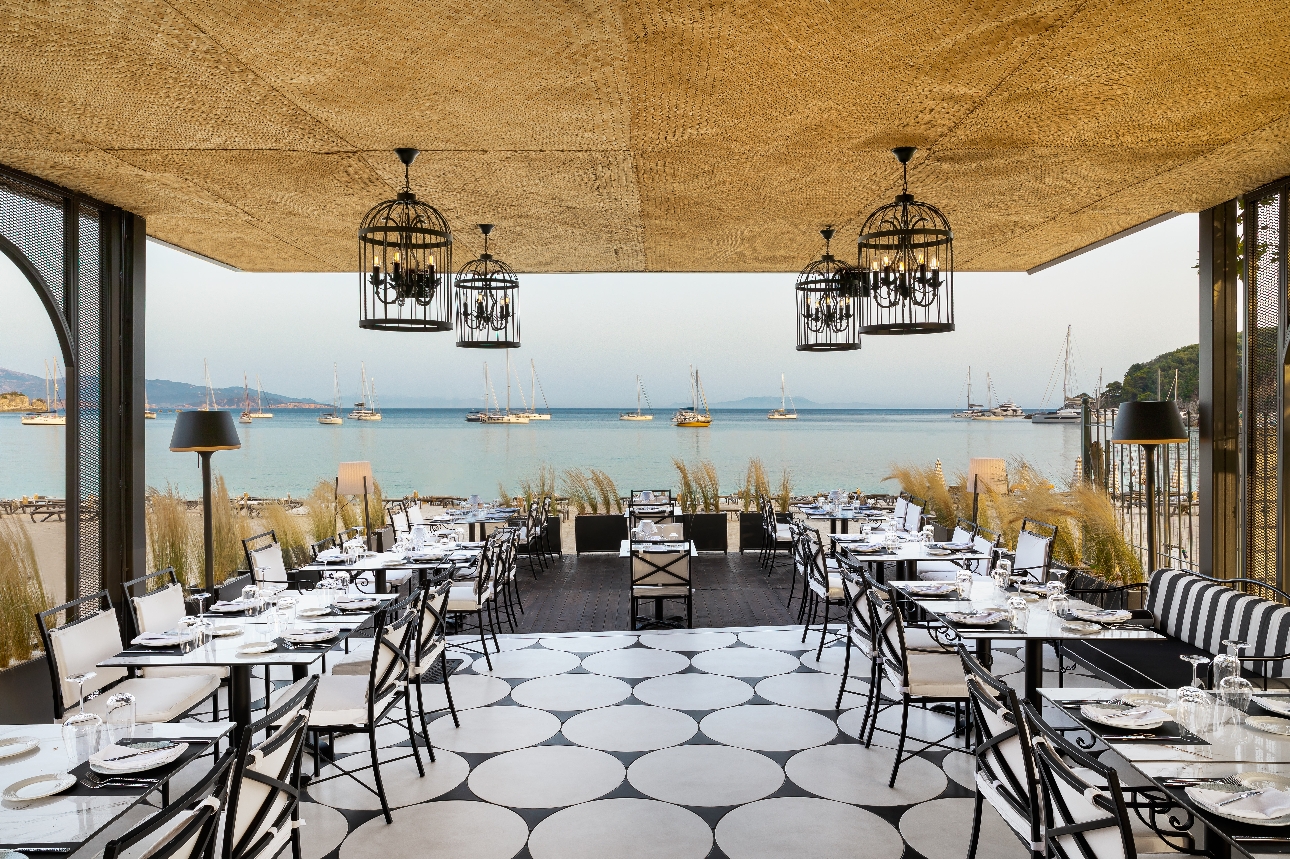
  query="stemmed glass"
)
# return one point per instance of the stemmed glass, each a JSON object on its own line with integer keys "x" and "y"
{"x": 1226, "y": 664}
{"x": 1236, "y": 692}
{"x": 1196, "y": 661}
{"x": 81, "y": 729}
{"x": 1195, "y": 709}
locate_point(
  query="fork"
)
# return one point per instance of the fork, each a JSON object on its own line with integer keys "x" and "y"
{"x": 1245, "y": 794}
{"x": 1229, "y": 781}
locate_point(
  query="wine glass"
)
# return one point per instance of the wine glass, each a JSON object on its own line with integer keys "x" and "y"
{"x": 1196, "y": 661}
{"x": 963, "y": 579}
{"x": 81, "y": 729}
{"x": 1195, "y": 709}
{"x": 1020, "y": 613}
{"x": 121, "y": 712}
{"x": 1226, "y": 664}
{"x": 1235, "y": 692}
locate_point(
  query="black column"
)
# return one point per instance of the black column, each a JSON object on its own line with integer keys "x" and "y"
{"x": 1220, "y": 508}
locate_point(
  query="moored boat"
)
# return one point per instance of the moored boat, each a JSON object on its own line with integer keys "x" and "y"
{"x": 783, "y": 413}
{"x": 638, "y": 415}
{"x": 692, "y": 417}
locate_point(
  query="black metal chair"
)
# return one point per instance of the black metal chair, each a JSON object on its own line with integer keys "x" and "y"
{"x": 265, "y": 560}
{"x": 776, "y": 535}
{"x": 823, "y": 580}
{"x": 432, "y": 647}
{"x": 668, "y": 578}
{"x": 1034, "y": 553}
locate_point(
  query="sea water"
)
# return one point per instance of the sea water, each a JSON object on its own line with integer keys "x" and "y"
{"x": 436, "y": 452}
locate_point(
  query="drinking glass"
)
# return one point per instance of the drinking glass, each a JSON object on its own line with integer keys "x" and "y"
{"x": 963, "y": 578}
{"x": 1195, "y": 709}
{"x": 1196, "y": 661}
{"x": 1235, "y": 693}
{"x": 1002, "y": 573}
{"x": 200, "y": 598}
{"x": 1059, "y": 604}
{"x": 251, "y": 596}
{"x": 1226, "y": 664}
{"x": 928, "y": 533}
{"x": 81, "y": 729}
{"x": 1020, "y": 613}
{"x": 121, "y": 709}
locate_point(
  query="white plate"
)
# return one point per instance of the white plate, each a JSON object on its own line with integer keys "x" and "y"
{"x": 310, "y": 636}
{"x": 1080, "y": 627}
{"x": 357, "y": 605}
{"x": 1269, "y": 724}
{"x": 11, "y": 747}
{"x": 313, "y": 612}
{"x": 38, "y": 787}
{"x": 1148, "y": 699}
{"x": 228, "y": 609}
{"x": 159, "y": 758}
{"x": 987, "y": 618}
{"x": 168, "y": 641}
{"x": 932, "y": 588}
{"x": 937, "y": 551}
{"x": 251, "y": 648}
{"x": 1277, "y": 704}
{"x": 1094, "y": 713}
{"x": 1102, "y": 616}
{"x": 226, "y": 631}
{"x": 1223, "y": 811}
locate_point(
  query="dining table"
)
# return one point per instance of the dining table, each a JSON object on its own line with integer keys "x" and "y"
{"x": 379, "y": 565}
{"x": 1040, "y": 626}
{"x": 841, "y": 517}
{"x": 904, "y": 555}
{"x": 231, "y": 630}
{"x": 477, "y": 521}
{"x": 1223, "y": 747}
{"x": 64, "y": 823}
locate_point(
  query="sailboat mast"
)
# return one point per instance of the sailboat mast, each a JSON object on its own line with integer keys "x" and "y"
{"x": 638, "y": 395}
{"x": 969, "y": 405}
{"x": 335, "y": 388}
{"x": 782, "y": 396}
{"x": 508, "y": 381}
{"x": 533, "y": 383}
{"x": 1066, "y": 373}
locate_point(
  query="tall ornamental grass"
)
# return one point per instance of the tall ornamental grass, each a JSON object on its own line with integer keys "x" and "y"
{"x": 540, "y": 486}
{"x": 320, "y": 518}
{"x": 290, "y": 531}
{"x": 22, "y": 595}
{"x": 784, "y": 494}
{"x": 755, "y": 485}
{"x": 229, "y": 527}
{"x": 688, "y": 496}
{"x": 174, "y": 537}
{"x": 606, "y": 491}
{"x": 579, "y": 489}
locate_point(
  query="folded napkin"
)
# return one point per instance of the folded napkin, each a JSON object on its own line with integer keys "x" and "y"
{"x": 1103, "y": 615}
{"x": 932, "y": 587}
{"x": 162, "y": 638}
{"x": 1136, "y": 718}
{"x": 133, "y": 762}
{"x": 235, "y": 605}
{"x": 330, "y": 555}
{"x": 1266, "y": 805}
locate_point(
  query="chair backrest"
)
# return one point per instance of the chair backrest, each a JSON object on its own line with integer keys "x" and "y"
{"x": 964, "y": 530}
{"x": 1084, "y": 812}
{"x": 813, "y": 562}
{"x": 79, "y": 645}
{"x": 986, "y": 542}
{"x": 349, "y": 534}
{"x": 415, "y": 516}
{"x": 185, "y": 828}
{"x": 855, "y": 590}
{"x": 159, "y": 611}
{"x": 1205, "y": 612}
{"x": 654, "y": 569}
{"x": 1034, "y": 549}
{"x": 264, "y": 792}
{"x": 399, "y": 521}
{"x": 898, "y": 512}
{"x": 394, "y": 640}
{"x": 913, "y": 515}
{"x": 264, "y": 558}
{"x": 321, "y": 546}
{"x": 431, "y": 632}
{"x": 888, "y": 633}
{"x": 1004, "y": 760}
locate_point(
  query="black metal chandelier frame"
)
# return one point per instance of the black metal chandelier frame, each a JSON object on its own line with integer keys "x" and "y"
{"x": 405, "y": 262}
{"x": 487, "y": 302}
{"x": 827, "y": 311}
{"x": 904, "y": 273}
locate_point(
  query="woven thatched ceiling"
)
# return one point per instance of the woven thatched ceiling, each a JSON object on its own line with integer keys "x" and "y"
{"x": 646, "y": 135}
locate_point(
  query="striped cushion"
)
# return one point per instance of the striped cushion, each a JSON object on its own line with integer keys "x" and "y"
{"x": 1205, "y": 614}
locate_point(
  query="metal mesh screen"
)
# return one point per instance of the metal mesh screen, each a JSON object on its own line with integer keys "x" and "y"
{"x": 89, "y": 359}
{"x": 1264, "y": 324}
{"x": 33, "y": 220}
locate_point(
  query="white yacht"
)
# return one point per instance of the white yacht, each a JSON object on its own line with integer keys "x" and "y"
{"x": 973, "y": 409}
{"x": 333, "y": 417}
{"x": 366, "y": 410}
{"x": 245, "y": 417}
{"x": 259, "y": 401}
{"x": 1072, "y": 411}
{"x": 692, "y": 417}
{"x": 783, "y": 413}
{"x": 532, "y": 412}
{"x": 50, "y": 416}
{"x": 508, "y": 416}
{"x": 638, "y": 415}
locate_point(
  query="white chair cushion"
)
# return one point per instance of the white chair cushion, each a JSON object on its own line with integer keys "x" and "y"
{"x": 462, "y": 597}
{"x": 429, "y": 661}
{"x": 358, "y": 660}
{"x": 835, "y": 586}
{"x": 341, "y": 700}
{"x": 81, "y": 647}
{"x": 783, "y": 532}
{"x": 159, "y": 611}
{"x": 654, "y": 591}
{"x": 917, "y": 638}
{"x": 1015, "y": 821}
{"x": 268, "y": 564}
{"x": 156, "y": 699}
{"x": 936, "y": 675}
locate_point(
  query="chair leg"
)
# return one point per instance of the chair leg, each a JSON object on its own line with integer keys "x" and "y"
{"x": 976, "y": 827}
{"x": 900, "y": 744}
{"x": 421, "y": 713}
{"x": 412, "y": 736}
{"x": 689, "y": 610}
{"x": 824, "y": 630}
{"x": 518, "y": 599}
{"x": 447, "y": 688}
{"x": 870, "y": 720}
{"x": 376, "y": 772}
{"x": 846, "y": 666}
{"x": 483, "y": 642}
{"x": 492, "y": 627}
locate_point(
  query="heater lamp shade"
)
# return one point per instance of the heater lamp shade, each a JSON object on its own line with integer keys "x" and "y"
{"x": 1149, "y": 422}
{"x": 351, "y": 476}
{"x": 204, "y": 431}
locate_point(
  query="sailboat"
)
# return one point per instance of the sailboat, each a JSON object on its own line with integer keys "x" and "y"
{"x": 989, "y": 413}
{"x": 247, "y": 414}
{"x": 782, "y": 413}
{"x": 333, "y": 417}
{"x": 973, "y": 409}
{"x": 366, "y": 409}
{"x": 149, "y": 413}
{"x": 259, "y": 401}
{"x": 506, "y": 417}
{"x": 692, "y": 417}
{"x": 209, "y": 404}
{"x": 638, "y": 415}
{"x": 50, "y": 416}
{"x": 478, "y": 417}
{"x": 1071, "y": 411}
{"x": 532, "y": 413}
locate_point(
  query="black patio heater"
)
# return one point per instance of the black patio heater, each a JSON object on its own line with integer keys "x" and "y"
{"x": 203, "y": 433}
{"x": 1149, "y": 423}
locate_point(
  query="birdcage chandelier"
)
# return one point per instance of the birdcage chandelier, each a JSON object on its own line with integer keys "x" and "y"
{"x": 487, "y": 302}
{"x": 405, "y": 262}
{"x": 827, "y": 313}
{"x": 905, "y": 267}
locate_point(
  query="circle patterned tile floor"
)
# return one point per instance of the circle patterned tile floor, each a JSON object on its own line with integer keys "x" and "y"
{"x": 832, "y": 659}
{"x": 527, "y": 664}
{"x": 704, "y": 775}
{"x": 810, "y": 690}
{"x": 402, "y": 784}
{"x": 494, "y": 729}
{"x": 564, "y": 692}
{"x": 589, "y": 643}
{"x": 457, "y": 643}
{"x": 688, "y": 641}
{"x": 775, "y": 639}
{"x": 324, "y": 829}
{"x": 848, "y": 772}
{"x": 692, "y": 691}
{"x": 923, "y": 726}
{"x": 468, "y": 691}
{"x": 745, "y": 662}
{"x": 622, "y": 828}
{"x": 961, "y": 767}
{"x": 629, "y": 728}
{"x": 768, "y": 728}
{"x": 941, "y": 828}
{"x": 806, "y": 828}
{"x": 635, "y": 663}
{"x": 546, "y": 777}
{"x": 462, "y": 830}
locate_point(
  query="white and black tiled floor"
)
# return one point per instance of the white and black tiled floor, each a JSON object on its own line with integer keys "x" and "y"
{"x": 685, "y": 744}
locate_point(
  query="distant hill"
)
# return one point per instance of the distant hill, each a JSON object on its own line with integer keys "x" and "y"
{"x": 773, "y": 403}
{"x": 1140, "y": 379}
{"x": 162, "y": 393}
{"x": 25, "y": 383}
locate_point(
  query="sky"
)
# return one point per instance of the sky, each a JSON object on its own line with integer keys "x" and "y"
{"x": 591, "y": 334}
